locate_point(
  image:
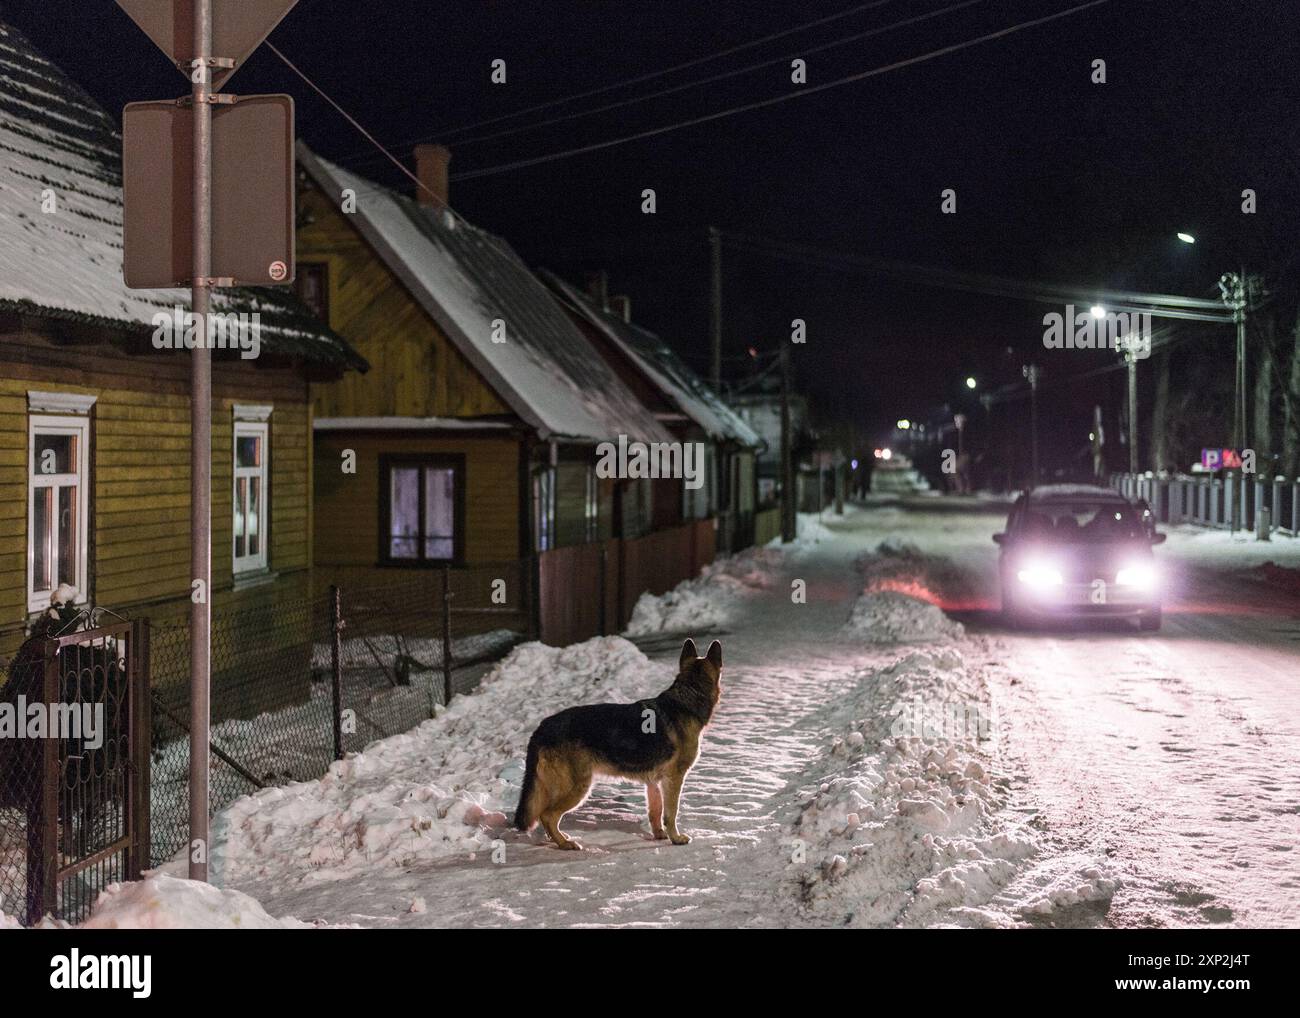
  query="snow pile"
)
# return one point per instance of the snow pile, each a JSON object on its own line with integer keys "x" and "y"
{"x": 709, "y": 600}
{"x": 162, "y": 902}
{"x": 888, "y": 616}
{"x": 442, "y": 789}
{"x": 899, "y": 818}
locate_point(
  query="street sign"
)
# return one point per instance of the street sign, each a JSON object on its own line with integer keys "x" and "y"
{"x": 252, "y": 192}
{"x": 238, "y": 28}
{"x": 1220, "y": 459}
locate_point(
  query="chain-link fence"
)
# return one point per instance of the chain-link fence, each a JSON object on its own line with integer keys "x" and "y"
{"x": 297, "y": 684}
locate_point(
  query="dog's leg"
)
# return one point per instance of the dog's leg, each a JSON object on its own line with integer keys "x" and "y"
{"x": 672, "y": 785}
{"x": 654, "y": 799}
{"x": 567, "y": 787}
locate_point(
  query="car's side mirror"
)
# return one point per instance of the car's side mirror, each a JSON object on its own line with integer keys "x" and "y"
{"x": 999, "y": 538}
{"x": 1159, "y": 538}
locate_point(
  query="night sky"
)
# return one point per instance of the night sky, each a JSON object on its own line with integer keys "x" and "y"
{"x": 1056, "y": 178}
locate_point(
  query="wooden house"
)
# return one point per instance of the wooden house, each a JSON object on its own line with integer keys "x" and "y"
{"x": 94, "y": 417}
{"x": 473, "y": 438}
{"x": 685, "y": 404}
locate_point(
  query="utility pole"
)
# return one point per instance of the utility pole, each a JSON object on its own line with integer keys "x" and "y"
{"x": 1030, "y": 371}
{"x": 715, "y": 310}
{"x": 1130, "y": 358}
{"x": 1232, "y": 286}
{"x": 787, "y": 464}
{"x": 201, "y": 450}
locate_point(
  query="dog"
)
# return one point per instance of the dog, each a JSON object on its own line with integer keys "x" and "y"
{"x": 652, "y": 741}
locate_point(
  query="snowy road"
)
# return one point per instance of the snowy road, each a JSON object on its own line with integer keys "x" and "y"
{"x": 1126, "y": 779}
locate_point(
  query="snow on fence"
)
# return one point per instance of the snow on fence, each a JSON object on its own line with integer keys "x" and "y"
{"x": 1251, "y": 502}
{"x": 297, "y": 685}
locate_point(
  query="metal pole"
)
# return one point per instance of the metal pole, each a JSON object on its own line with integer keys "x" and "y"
{"x": 1240, "y": 437}
{"x": 788, "y": 526}
{"x": 1132, "y": 412}
{"x": 715, "y": 310}
{"x": 336, "y": 667}
{"x": 201, "y": 452}
{"x": 1031, "y": 373}
{"x": 446, "y": 635}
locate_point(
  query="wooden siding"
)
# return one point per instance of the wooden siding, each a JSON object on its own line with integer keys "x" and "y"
{"x": 347, "y": 505}
{"x": 139, "y": 467}
{"x": 414, "y": 370}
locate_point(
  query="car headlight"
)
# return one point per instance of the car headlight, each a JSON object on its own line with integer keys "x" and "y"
{"x": 1137, "y": 574}
{"x": 1040, "y": 576}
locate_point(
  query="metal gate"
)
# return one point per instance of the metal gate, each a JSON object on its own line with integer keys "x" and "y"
{"x": 87, "y": 817}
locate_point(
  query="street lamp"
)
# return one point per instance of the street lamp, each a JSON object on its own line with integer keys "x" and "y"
{"x": 1098, "y": 311}
{"x": 1186, "y": 238}
{"x": 970, "y": 382}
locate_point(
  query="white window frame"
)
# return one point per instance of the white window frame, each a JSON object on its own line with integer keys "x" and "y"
{"x": 79, "y": 428}
{"x": 255, "y": 428}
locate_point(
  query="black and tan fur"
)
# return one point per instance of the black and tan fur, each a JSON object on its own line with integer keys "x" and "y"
{"x": 652, "y": 741}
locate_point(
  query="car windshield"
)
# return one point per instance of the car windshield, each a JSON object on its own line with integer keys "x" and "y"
{"x": 1082, "y": 521}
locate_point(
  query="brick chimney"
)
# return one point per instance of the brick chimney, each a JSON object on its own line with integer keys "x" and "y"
{"x": 431, "y": 162}
{"x": 621, "y": 305}
{"x": 598, "y": 288}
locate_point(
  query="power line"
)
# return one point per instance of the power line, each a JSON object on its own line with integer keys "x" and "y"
{"x": 1160, "y": 305}
{"x": 721, "y": 76}
{"x": 696, "y": 61}
{"x": 762, "y": 103}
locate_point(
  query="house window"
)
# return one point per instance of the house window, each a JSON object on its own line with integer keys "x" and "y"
{"x": 58, "y": 452}
{"x": 313, "y": 286}
{"x": 544, "y": 508}
{"x": 251, "y": 502}
{"x": 592, "y": 507}
{"x": 422, "y": 513}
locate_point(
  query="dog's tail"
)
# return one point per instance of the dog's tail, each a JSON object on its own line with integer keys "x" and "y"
{"x": 525, "y": 818}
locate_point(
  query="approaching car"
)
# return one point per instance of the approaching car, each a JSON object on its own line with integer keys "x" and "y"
{"x": 1078, "y": 550}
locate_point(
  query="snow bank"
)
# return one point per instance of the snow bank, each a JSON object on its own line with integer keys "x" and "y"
{"x": 162, "y": 902}
{"x": 901, "y": 820}
{"x": 888, "y": 616}
{"x": 442, "y": 789}
{"x": 709, "y": 600}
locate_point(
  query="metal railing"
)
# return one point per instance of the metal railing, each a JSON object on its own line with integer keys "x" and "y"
{"x": 1263, "y": 505}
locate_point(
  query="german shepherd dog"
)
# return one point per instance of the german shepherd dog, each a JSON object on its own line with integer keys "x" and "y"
{"x": 652, "y": 741}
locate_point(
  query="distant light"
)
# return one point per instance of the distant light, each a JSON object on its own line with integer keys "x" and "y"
{"x": 878, "y": 453}
{"x": 904, "y": 424}
{"x": 1092, "y": 436}
{"x": 853, "y": 464}
{"x": 1098, "y": 311}
{"x": 753, "y": 352}
{"x": 1187, "y": 238}
{"x": 886, "y": 454}
{"x": 970, "y": 383}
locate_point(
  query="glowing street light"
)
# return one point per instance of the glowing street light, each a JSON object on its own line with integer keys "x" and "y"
{"x": 1187, "y": 238}
{"x": 1098, "y": 311}
{"x": 904, "y": 424}
{"x": 970, "y": 382}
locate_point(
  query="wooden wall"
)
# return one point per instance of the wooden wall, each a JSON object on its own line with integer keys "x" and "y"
{"x": 139, "y": 465}
{"x": 414, "y": 370}
{"x": 347, "y": 505}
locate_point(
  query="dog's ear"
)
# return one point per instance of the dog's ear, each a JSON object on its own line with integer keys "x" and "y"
{"x": 715, "y": 654}
{"x": 689, "y": 653}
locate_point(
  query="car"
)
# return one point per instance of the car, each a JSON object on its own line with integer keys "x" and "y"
{"x": 1079, "y": 550}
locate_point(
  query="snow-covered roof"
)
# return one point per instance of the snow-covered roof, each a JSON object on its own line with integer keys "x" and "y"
{"x": 665, "y": 370}
{"x": 1064, "y": 491}
{"x": 68, "y": 263}
{"x": 470, "y": 282}
{"x": 408, "y": 424}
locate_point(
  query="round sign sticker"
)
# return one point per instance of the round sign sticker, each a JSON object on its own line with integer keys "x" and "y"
{"x": 278, "y": 270}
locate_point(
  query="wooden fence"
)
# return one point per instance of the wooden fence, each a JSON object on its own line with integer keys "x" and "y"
{"x": 589, "y": 589}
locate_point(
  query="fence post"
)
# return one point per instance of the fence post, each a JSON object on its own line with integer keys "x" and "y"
{"x": 604, "y": 577}
{"x": 446, "y": 635}
{"x": 43, "y": 821}
{"x": 141, "y": 740}
{"x": 336, "y": 666}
